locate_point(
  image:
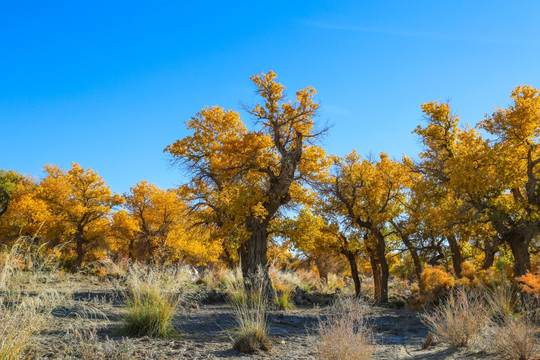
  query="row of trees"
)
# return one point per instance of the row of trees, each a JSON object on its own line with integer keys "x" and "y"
{"x": 76, "y": 213}
{"x": 474, "y": 192}
{"x": 471, "y": 197}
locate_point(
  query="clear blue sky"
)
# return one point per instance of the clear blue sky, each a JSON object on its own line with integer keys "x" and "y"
{"x": 109, "y": 84}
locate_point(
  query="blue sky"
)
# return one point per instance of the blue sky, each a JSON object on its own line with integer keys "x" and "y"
{"x": 109, "y": 84}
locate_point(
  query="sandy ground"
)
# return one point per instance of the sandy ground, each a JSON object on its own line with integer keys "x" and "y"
{"x": 205, "y": 334}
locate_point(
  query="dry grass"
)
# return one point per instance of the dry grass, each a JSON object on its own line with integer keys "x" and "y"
{"x": 346, "y": 334}
{"x": 154, "y": 296}
{"x": 249, "y": 311}
{"x": 513, "y": 327}
{"x": 515, "y": 339}
{"x": 501, "y": 298}
{"x": 459, "y": 319}
{"x": 20, "y": 322}
{"x": 23, "y": 316}
{"x": 85, "y": 344}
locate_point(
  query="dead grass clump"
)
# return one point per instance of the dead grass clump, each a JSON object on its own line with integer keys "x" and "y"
{"x": 85, "y": 344}
{"x": 345, "y": 334}
{"x": 502, "y": 298}
{"x": 22, "y": 316}
{"x": 459, "y": 319}
{"x": 515, "y": 339}
{"x": 20, "y": 322}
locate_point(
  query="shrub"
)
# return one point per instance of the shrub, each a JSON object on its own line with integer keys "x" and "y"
{"x": 284, "y": 283}
{"x": 459, "y": 319}
{"x": 436, "y": 280}
{"x": 530, "y": 283}
{"x": 345, "y": 334}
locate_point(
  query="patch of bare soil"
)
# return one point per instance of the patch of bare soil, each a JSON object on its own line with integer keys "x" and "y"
{"x": 205, "y": 332}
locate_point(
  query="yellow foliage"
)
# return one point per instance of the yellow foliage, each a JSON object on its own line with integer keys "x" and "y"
{"x": 156, "y": 228}
{"x": 530, "y": 283}
{"x": 436, "y": 280}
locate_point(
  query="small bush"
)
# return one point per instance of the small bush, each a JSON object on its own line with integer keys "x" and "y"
{"x": 459, "y": 319}
{"x": 436, "y": 282}
{"x": 345, "y": 334}
{"x": 530, "y": 283}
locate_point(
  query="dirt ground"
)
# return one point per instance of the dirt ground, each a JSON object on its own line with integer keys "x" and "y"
{"x": 89, "y": 324}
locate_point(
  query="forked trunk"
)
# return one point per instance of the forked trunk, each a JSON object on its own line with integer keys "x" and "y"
{"x": 322, "y": 269}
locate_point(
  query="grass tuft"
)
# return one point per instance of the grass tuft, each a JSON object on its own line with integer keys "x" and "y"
{"x": 249, "y": 310}
{"x": 345, "y": 334}
{"x": 153, "y": 298}
{"x": 459, "y": 319}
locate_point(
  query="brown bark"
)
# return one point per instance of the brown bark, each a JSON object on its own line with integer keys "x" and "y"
{"x": 375, "y": 269}
{"x": 321, "y": 268}
{"x": 457, "y": 259}
{"x": 226, "y": 257}
{"x": 254, "y": 260}
{"x": 519, "y": 244}
{"x": 351, "y": 258}
{"x": 384, "y": 270}
{"x": 490, "y": 250}
{"x": 416, "y": 260}
{"x": 80, "y": 252}
{"x": 131, "y": 248}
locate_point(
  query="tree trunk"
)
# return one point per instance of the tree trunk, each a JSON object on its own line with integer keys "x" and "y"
{"x": 80, "y": 252}
{"x": 456, "y": 255}
{"x": 227, "y": 258}
{"x": 491, "y": 248}
{"x": 519, "y": 244}
{"x": 375, "y": 269}
{"x": 380, "y": 294}
{"x": 321, "y": 268}
{"x": 385, "y": 272}
{"x": 416, "y": 261}
{"x": 131, "y": 249}
{"x": 255, "y": 263}
{"x": 351, "y": 258}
